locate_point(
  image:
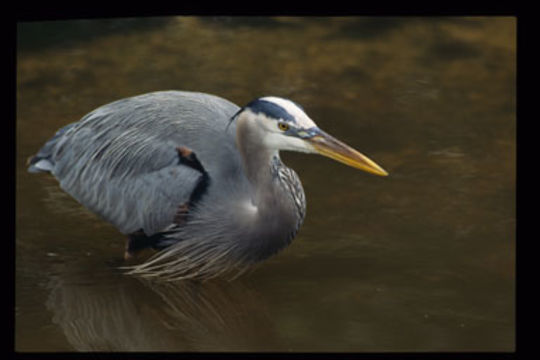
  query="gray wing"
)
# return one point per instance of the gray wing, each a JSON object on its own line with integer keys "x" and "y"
{"x": 121, "y": 162}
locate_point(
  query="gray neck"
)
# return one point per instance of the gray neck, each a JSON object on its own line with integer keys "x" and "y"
{"x": 257, "y": 161}
{"x": 277, "y": 217}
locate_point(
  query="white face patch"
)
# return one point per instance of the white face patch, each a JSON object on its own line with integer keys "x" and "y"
{"x": 262, "y": 117}
{"x": 278, "y": 141}
{"x": 301, "y": 118}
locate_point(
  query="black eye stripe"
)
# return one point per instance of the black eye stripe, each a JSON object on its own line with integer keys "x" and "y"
{"x": 270, "y": 109}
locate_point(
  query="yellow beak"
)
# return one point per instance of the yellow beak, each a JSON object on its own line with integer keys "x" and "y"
{"x": 331, "y": 147}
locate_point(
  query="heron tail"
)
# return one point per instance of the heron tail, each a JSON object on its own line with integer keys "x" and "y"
{"x": 43, "y": 160}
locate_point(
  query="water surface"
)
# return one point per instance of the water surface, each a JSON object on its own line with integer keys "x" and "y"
{"x": 423, "y": 260}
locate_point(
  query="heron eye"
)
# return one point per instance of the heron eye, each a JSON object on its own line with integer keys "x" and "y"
{"x": 283, "y": 126}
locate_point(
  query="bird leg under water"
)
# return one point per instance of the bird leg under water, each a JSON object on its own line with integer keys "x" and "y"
{"x": 136, "y": 242}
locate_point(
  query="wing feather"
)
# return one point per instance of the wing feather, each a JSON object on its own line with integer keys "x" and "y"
{"x": 120, "y": 160}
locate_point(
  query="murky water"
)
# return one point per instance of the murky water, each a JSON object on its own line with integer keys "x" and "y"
{"x": 423, "y": 260}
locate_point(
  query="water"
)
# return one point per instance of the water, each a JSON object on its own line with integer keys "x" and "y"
{"x": 423, "y": 260}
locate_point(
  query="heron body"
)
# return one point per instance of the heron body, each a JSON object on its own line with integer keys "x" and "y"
{"x": 192, "y": 175}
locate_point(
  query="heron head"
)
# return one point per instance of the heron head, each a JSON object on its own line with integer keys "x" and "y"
{"x": 283, "y": 125}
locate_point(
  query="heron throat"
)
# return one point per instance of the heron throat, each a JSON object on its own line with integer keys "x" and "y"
{"x": 276, "y": 193}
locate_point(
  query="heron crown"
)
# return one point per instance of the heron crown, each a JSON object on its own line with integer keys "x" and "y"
{"x": 277, "y": 108}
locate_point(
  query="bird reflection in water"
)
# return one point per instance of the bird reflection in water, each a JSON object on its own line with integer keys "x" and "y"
{"x": 110, "y": 312}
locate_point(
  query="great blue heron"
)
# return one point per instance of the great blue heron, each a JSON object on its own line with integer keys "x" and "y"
{"x": 192, "y": 175}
